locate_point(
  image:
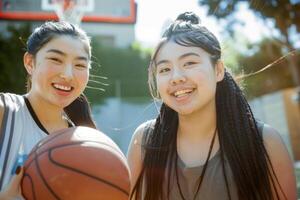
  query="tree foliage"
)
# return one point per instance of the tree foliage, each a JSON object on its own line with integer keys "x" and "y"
{"x": 285, "y": 14}
{"x": 12, "y": 49}
{"x": 272, "y": 79}
{"x": 125, "y": 71}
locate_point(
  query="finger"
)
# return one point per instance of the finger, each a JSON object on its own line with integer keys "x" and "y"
{"x": 16, "y": 179}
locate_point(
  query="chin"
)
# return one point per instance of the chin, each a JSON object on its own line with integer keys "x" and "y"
{"x": 183, "y": 110}
{"x": 63, "y": 104}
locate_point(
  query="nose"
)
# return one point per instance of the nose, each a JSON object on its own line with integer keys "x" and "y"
{"x": 178, "y": 76}
{"x": 67, "y": 72}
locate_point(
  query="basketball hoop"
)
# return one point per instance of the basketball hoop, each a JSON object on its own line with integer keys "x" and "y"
{"x": 71, "y": 11}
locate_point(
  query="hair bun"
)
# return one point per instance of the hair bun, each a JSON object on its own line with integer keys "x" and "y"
{"x": 189, "y": 17}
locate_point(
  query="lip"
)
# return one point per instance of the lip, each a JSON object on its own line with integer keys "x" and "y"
{"x": 183, "y": 93}
{"x": 62, "y": 89}
{"x": 173, "y": 90}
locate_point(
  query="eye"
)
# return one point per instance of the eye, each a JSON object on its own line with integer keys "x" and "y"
{"x": 81, "y": 66}
{"x": 54, "y": 59}
{"x": 189, "y": 63}
{"x": 163, "y": 70}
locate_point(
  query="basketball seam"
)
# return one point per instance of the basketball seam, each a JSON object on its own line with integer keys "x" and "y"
{"x": 69, "y": 144}
{"x": 59, "y": 134}
{"x": 44, "y": 141}
{"x": 89, "y": 175}
{"x": 43, "y": 179}
{"x": 35, "y": 160}
{"x": 32, "y": 187}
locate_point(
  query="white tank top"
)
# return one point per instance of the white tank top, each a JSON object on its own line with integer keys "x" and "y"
{"x": 19, "y": 132}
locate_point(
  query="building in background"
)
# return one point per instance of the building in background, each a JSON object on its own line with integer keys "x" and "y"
{"x": 111, "y": 22}
{"x": 280, "y": 110}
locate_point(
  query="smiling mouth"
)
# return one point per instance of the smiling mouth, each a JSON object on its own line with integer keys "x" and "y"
{"x": 181, "y": 93}
{"x": 62, "y": 87}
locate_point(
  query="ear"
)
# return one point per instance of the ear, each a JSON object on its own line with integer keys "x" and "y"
{"x": 28, "y": 60}
{"x": 219, "y": 70}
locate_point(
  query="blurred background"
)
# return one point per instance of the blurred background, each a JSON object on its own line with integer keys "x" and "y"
{"x": 255, "y": 35}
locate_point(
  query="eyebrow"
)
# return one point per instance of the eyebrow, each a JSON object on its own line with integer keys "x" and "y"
{"x": 162, "y": 61}
{"x": 188, "y": 54}
{"x": 180, "y": 57}
{"x": 64, "y": 54}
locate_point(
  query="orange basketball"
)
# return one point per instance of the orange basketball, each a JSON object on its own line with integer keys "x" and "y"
{"x": 76, "y": 163}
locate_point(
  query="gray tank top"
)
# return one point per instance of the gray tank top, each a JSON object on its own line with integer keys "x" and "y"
{"x": 212, "y": 187}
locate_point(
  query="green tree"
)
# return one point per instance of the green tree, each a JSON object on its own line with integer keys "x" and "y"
{"x": 272, "y": 79}
{"x": 284, "y": 13}
{"x": 12, "y": 49}
{"x": 125, "y": 70}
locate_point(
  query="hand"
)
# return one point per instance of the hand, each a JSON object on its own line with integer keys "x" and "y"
{"x": 13, "y": 189}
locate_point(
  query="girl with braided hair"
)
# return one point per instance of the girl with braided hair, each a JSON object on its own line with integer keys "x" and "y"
{"x": 205, "y": 143}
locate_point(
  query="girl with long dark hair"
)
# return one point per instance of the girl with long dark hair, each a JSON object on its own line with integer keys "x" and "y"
{"x": 205, "y": 143}
{"x": 57, "y": 61}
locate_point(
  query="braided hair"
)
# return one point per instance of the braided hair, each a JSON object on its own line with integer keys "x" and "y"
{"x": 241, "y": 143}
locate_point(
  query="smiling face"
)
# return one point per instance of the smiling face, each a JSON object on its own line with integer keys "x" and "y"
{"x": 186, "y": 78}
{"x": 59, "y": 71}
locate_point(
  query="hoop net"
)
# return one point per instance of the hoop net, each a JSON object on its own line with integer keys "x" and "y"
{"x": 71, "y": 11}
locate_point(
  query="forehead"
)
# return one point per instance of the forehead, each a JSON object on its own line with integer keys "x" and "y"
{"x": 67, "y": 44}
{"x": 173, "y": 51}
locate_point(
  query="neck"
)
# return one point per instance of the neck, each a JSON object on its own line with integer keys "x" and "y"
{"x": 49, "y": 114}
{"x": 200, "y": 124}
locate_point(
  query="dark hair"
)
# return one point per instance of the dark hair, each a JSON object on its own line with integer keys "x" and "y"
{"x": 49, "y": 30}
{"x": 241, "y": 143}
{"x": 79, "y": 110}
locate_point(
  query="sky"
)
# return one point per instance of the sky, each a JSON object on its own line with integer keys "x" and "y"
{"x": 153, "y": 14}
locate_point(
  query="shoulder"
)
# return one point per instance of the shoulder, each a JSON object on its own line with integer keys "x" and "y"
{"x": 272, "y": 140}
{"x": 6, "y": 100}
{"x": 271, "y": 136}
{"x": 11, "y": 100}
{"x": 143, "y": 129}
{"x": 135, "y": 155}
{"x": 275, "y": 146}
{"x": 282, "y": 162}
{"x": 139, "y": 135}
{"x": 135, "y": 146}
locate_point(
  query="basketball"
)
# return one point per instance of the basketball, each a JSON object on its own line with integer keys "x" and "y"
{"x": 76, "y": 163}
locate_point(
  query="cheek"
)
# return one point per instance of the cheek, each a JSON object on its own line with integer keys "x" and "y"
{"x": 82, "y": 77}
{"x": 208, "y": 85}
{"x": 205, "y": 81}
{"x": 204, "y": 75}
{"x": 43, "y": 72}
{"x": 162, "y": 84}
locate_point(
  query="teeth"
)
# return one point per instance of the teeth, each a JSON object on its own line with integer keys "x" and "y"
{"x": 182, "y": 92}
{"x": 61, "y": 87}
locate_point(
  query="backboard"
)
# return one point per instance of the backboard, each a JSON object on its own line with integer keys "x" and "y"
{"x": 69, "y": 10}
{"x": 105, "y": 11}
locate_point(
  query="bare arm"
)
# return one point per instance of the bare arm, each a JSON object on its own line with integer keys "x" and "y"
{"x": 281, "y": 162}
{"x": 134, "y": 155}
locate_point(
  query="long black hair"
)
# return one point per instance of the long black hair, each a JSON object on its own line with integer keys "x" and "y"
{"x": 241, "y": 143}
{"x": 79, "y": 110}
